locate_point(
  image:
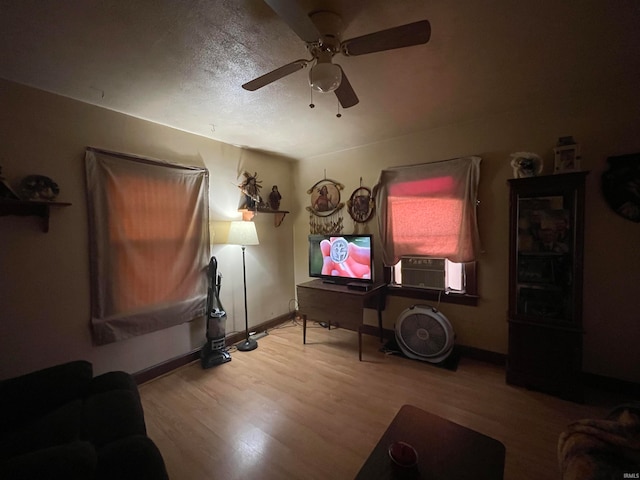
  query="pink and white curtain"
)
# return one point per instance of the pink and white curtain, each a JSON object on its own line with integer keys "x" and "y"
{"x": 429, "y": 209}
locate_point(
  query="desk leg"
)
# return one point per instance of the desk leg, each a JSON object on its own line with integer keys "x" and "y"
{"x": 378, "y": 304}
{"x": 360, "y": 343}
{"x": 304, "y": 328}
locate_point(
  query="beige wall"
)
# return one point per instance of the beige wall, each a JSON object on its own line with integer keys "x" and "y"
{"x": 604, "y": 124}
{"x": 44, "y": 297}
{"x": 44, "y": 279}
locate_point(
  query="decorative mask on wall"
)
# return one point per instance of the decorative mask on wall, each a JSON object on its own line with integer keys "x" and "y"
{"x": 621, "y": 185}
{"x": 526, "y": 164}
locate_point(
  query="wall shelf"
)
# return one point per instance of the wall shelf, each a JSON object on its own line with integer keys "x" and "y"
{"x": 278, "y": 215}
{"x": 30, "y": 207}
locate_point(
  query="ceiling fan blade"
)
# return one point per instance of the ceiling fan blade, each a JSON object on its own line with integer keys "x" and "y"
{"x": 274, "y": 75}
{"x": 398, "y": 37}
{"x": 345, "y": 93}
{"x": 296, "y": 18}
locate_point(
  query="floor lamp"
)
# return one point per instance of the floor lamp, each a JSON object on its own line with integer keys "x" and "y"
{"x": 244, "y": 233}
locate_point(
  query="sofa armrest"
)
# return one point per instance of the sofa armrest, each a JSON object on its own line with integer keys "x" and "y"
{"x": 59, "y": 427}
{"x": 76, "y": 460}
{"x": 42, "y": 391}
{"x": 131, "y": 458}
{"x": 112, "y": 415}
{"x": 592, "y": 449}
{"x": 116, "y": 380}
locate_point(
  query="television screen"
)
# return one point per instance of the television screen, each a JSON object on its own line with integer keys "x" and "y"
{"x": 341, "y": 258}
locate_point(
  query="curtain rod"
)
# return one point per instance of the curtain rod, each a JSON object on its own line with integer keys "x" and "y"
{"x": 150, "y": 161}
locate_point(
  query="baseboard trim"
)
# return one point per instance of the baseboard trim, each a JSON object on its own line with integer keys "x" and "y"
{"x": 612, "y": 385}
{"x": 167, "y": 366}
{"x": 469, "y": 352}
{"x": 238, "y": 337}
{"x": 482, "y": 355}
{"x": 592, "y": 380}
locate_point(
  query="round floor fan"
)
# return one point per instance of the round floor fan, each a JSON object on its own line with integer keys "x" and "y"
{"x": 424, "y": 333}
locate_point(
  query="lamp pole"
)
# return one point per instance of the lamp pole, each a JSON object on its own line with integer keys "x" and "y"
{"x": 249, "y": 344}
{"x": 244, "y": 233}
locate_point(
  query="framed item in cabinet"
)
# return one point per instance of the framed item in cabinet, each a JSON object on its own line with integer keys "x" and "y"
{"x": 545, "y": 283}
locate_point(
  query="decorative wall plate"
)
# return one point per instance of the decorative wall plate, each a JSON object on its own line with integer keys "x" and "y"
{"x": 38, "y": 187}
{"x": 325, "y": 198}
{"x": 621, "y": 185}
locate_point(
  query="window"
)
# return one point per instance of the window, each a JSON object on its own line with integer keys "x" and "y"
{"x": 428, "y": 212}
{"x": 149, "y": 244}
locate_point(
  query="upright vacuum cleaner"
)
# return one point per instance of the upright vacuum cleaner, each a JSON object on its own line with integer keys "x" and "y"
{"x": 213, "y": 352}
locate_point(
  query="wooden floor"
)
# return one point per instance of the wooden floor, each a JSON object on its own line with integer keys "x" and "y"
{"x": 294, "y": 411}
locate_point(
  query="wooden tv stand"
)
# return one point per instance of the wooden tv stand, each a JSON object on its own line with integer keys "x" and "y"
{"x": 338, "y": 305}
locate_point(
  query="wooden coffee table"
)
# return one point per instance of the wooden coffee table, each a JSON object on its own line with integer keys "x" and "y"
{"x": 446, "y": 450}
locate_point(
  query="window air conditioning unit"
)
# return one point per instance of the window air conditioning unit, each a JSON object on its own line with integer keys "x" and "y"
{"x": 423, "y": 272}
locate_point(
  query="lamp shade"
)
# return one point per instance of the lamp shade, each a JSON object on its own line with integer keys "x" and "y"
{"x": 325, "y": 77}
{"x": 242, "y": 233}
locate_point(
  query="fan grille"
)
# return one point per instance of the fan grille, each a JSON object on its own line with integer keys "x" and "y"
{"x": 423, "y": 335}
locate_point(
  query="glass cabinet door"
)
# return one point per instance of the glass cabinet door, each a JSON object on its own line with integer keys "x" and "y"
{"x": 546, "y": 257}
{"x": 544, "y": 279}
{"x": 546, "y": 219}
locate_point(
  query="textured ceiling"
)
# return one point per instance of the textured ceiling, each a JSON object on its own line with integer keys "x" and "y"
{"x": 182, "y": 63}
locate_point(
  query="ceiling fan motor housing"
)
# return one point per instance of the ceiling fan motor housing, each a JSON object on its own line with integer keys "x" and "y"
{"x": 424, "y": 333}
{"x": 329, "y": 25}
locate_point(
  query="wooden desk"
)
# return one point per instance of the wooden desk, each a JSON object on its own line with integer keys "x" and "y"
{"x": 338, "y": 305}
{"x": 446, "y": 450}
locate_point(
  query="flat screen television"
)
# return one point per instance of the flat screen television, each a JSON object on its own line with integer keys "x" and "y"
{"x": 341, "y": 258}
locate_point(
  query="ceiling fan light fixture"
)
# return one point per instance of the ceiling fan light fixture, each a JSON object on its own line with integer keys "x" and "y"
{"x": 325, "y": 77}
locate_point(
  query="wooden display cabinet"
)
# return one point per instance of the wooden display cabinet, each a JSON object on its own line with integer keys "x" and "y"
{"x": 545, "y": 283}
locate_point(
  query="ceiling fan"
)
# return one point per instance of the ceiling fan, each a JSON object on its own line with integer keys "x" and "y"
{"x": 321, "y": 30}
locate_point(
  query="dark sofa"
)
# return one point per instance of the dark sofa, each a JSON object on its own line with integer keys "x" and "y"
{"x": 64, "y": 423}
